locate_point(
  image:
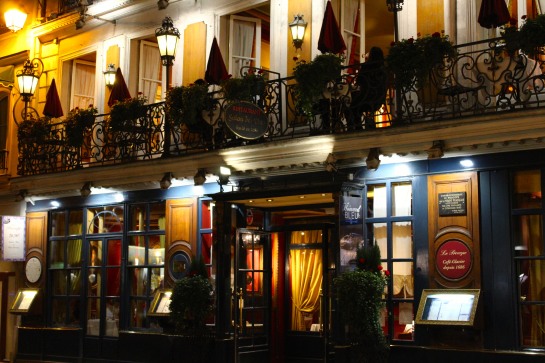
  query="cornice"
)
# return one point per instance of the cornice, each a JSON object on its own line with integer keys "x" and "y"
{"x": 513, "y": 131}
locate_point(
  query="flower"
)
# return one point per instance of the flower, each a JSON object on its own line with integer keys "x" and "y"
{"x": 379, "y": 267}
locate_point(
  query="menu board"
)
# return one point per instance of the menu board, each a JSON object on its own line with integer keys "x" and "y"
{"x": 160, "y": 306}
{"x": 23, "y": 301}
{"x": 13, "y": 238}
{"x": 448, "y": 307}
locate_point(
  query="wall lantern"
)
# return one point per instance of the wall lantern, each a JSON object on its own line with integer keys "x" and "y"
{"x": 27, "y": 80}
{"x": 109, "y": 75}
{"x": 15, "y": 19}
{"x": 297, "y": 27}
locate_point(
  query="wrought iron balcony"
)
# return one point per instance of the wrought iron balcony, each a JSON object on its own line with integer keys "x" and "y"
{"x": 481, "y": 79}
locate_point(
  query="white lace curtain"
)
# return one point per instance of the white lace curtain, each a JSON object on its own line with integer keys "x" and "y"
{"x": 83, "y": 85}
{"x": 243, "y": 45}
{"x": 150, "y": 71}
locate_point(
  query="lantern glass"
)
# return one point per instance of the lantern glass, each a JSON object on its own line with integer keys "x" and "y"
{"x": 167, "y": 45}
{"x": 109, "y": 75}
{"x": 15, "y": 19}
{"x": 297, "y": 27}
{"x": 27, "y": 83}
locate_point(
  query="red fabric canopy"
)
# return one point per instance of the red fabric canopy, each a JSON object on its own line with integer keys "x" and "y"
{"x": 215, "y": 68}
{"x": 53, "y": 106}
{"x": 331, "y": 39}
{"x": 493, "y": 13}
{"x": 120, "y": 91}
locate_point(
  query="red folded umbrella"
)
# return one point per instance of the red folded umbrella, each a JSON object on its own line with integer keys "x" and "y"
{"x": 331, "y": 39}
{"x": 120, "y": 91}
{"x": 493, "y": 13}
{"x": 53, "y": 106}
{"x": 215, "y": 68}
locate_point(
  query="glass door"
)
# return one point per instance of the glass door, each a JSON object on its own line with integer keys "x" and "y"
{"x": 103, "y": 286}
{"x": 251, "y": 296}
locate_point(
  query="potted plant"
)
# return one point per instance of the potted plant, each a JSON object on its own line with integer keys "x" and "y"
{"x": 191, "y": 300}
{"x": 360, "y": 303}
{"x": 125, "y": 114}
{"x": 412, "y": 59}
{"x": 77, "y": 123}
{"x": 34, "y": 131}
{"x": 529, "y": 38}
{"x": 184, "y": 104}
{"x": 245, "y": 88}
{"x": 312, "y": 77}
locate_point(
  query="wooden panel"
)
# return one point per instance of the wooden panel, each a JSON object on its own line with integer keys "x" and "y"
{"x": 181, "y": 230}
{"x": 462, "y": 228}
{"x": 194, "y": 53}
{"x": 36, "y": 233}
{"x": 36, "y": 242}
{"x": 430, "y": 16}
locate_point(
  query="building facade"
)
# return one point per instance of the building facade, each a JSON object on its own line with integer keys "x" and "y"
{"x": 453, "y": 167}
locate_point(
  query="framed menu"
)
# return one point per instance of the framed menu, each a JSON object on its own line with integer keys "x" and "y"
{"x": 23, "y": 301}
{"x": 160, "y": 306}
{"x": 448, "y": 307}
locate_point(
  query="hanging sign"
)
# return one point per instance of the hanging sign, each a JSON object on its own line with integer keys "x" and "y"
{"x": 453, "y": 259}
{"x": 13, "y": 238}
{"x": 246, "y": 120}
{"x": 351, "y": 210}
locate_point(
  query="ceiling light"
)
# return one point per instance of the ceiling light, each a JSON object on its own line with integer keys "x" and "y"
{"x": 200, "y": 177}
{"x": 466, "y": 163}
{"x": 373, "y": 160}
{"x": 166, "y": 181}
{"x": 55, "y": 204}
{"x": 162, "y": 4}
{"x": 85, "y": 190}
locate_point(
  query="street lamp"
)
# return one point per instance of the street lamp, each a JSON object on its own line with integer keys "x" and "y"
{"x": 167, "y": 39}
{"x": 27, "y": 79}
{"x": 395, "y": 6}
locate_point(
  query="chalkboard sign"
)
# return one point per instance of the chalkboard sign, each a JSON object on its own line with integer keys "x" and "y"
{"x": 246, "y": 120}
{"x": 452, "y": 204}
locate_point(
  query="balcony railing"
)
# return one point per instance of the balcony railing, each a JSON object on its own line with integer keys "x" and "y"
{"x": 481, "y": 79}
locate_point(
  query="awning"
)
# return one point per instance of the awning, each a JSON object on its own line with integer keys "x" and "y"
{"x": 7, "y": 76}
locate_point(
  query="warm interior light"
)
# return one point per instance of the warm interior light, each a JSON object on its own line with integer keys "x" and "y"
{"x": 15, "y": 19}
{"x": 297, "y": 27}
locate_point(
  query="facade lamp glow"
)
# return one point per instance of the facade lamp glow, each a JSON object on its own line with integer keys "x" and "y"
{"x": 297, "y": 27}
{"x": 109, "y": 76}
{"x": 15, "y": 19}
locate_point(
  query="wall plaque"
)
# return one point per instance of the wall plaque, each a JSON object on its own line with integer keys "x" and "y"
{"x": 453, "y": 260}
{"x": 452, "y": 204}
{"x": 246, "y": 120}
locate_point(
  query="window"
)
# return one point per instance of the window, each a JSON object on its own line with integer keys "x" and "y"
{"x": 389, "y": 225}
{"x": 245, "y": 44}
{"x": 150, "y": 72}
{"x": 83, "y": 84}
{"x": 352, "y": 25}
{"x": 146, "y": 259}
{"x": 527, "y": 220}
{"x": 65, "y": 267}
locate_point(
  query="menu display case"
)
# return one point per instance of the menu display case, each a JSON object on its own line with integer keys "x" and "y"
{"x": 448, "y": 307}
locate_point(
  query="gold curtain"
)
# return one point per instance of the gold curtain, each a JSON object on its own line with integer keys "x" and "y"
{"x": 74, "y": 251}
{"x": 305, "y": 277}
